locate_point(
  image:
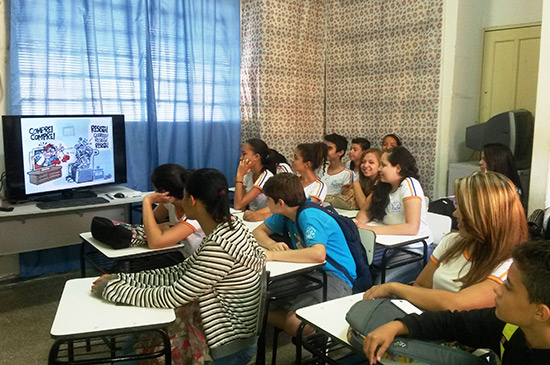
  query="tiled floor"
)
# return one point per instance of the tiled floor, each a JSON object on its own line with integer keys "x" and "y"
{"x": 27, "y": 310}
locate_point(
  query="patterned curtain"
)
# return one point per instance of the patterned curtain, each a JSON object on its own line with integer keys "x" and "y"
{"x": 282, "y": 72}
{"x": 354, "y": 67}
{"x": 383, "y": 62}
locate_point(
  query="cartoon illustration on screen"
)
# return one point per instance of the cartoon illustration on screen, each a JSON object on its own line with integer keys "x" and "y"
{"x": 82, "y": 169}
{"x": 49, "y": 155}
{"x": 46, "y": 161}
{"x": 67, "y": 153}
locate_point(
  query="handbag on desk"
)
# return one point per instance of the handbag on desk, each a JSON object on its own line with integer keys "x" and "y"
{"x": 118, "y": 234}
{"x": 367, "y": 315}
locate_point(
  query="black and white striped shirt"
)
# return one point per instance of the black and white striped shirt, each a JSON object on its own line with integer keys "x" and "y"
{"x": 223, "y": 275}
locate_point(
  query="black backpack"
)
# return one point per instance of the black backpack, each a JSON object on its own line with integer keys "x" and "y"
{"x": 364, "y": 279}
{"x": 444, "y": 206}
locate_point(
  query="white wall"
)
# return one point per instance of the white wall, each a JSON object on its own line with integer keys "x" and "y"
{"x": 509, "y": 12}
{"x": 539, "y": 189}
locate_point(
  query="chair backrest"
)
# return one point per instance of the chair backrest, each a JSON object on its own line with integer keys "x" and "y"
{"x": 368, "y": 238}
{"x": 262, "y": 317}
{"x": 439, "y": 224}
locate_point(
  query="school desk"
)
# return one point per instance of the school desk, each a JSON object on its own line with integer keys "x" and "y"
{"x": 90, "y": 330}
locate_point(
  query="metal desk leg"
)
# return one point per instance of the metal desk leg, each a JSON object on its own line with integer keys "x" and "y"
{"x": 299, "y": 343}
{"x": 82, "y": 259}
{"x": 167, "y": 347}
{"x": 425, "y": 256}
{"x": 383, "y": 267}
{"x": 323, "y": 272}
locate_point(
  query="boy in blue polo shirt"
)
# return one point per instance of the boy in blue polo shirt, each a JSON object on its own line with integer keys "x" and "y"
{"x": 322, "y": 237}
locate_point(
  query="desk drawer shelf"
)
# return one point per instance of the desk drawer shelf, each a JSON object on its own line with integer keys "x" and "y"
{"x": 108, "y": 349}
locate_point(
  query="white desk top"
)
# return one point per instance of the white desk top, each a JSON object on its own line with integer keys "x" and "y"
{"x": 330, "y": 317}
{"x": 279, "y": 269}
{"x": 80, "y": 313}
{"x": 347, "y": 213}
{"x": 250, "y": 225}
{"x": 393, "y": 240}
{"x": 124, "y": 252}
{"x": 385, "y": 239}
{"x": 130, "y": 196}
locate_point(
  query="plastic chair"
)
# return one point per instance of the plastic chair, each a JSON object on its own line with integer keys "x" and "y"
{"x": 439, "y": 224}
{"x": 367, "y": 239}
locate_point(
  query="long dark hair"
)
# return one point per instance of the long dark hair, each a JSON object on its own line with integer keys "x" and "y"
{"x": 170, "y": 178}
{"x": 316, "y": 153}
{"x": 274, "y": 158}
{"x": 499, "y": 158}
{"x": 260, "y": 147}
{"x": 210, "y": 187}
{"x": 381, "y": 194}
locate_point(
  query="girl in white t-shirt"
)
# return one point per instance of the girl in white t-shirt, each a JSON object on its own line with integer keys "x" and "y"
{"x": 398, "y": 201}
{"x": 169, "y": 182}
{"x": 466, "y": 266}
{"x": 368, "y": 177}
{"x": 251, "y": 176}
{"x": 308, "y": 157}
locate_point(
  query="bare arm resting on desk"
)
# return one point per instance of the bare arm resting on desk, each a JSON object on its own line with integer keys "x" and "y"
{"x": 411, "y": 226}
{"x": 262, "y": 233}
{"x": 279, "y": 251}
{"x": 480, "y": 295}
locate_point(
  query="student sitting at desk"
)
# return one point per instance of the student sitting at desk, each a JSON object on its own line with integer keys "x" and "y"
{"x": 308, "y": 158}
{"x": 356, "y": 195}
{"x": 322, "y": 238}
{"x": 398, "y": 202}
{"x": 466, "y": 266}
{"x": 517, "y": 329}
{"x": 358, "y": 146}
{"x": 222, "y": 275}
{"x": 169, "y": 181}
{"x": 337, "y": 175}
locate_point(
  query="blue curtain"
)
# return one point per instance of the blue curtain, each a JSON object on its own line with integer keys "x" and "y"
{"x": 172, "y": 67}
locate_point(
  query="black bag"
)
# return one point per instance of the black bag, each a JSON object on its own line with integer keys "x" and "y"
{"x": 117, "y": 234}
{"x": 444, "y": 206}
{"x": 535, "y": 224}
{"x": 367, "y": 315}
{"x": 364, "y": 279}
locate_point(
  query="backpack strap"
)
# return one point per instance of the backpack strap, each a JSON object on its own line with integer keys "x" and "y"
{"x": 328, "y": 259}
{"x": 507, "y": 333}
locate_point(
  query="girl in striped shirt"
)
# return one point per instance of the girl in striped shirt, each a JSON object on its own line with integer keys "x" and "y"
{"x": 222, "y": 275}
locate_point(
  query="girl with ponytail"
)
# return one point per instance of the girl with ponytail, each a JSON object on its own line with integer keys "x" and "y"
{"x": 308, "y": 158}
{"x": 252, "y": 174}
{"x": 222, "y": 277}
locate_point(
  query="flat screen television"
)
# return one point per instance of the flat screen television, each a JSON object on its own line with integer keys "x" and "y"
{"x": 49, "y": 157}
{"x": 513, "y": 128}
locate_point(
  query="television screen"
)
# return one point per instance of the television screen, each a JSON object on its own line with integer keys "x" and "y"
{"x": 513, "y": 128}
{"x": 46, "y": 154}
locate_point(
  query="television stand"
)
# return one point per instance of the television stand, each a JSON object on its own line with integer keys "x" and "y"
{"x": 28, "y": 228}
